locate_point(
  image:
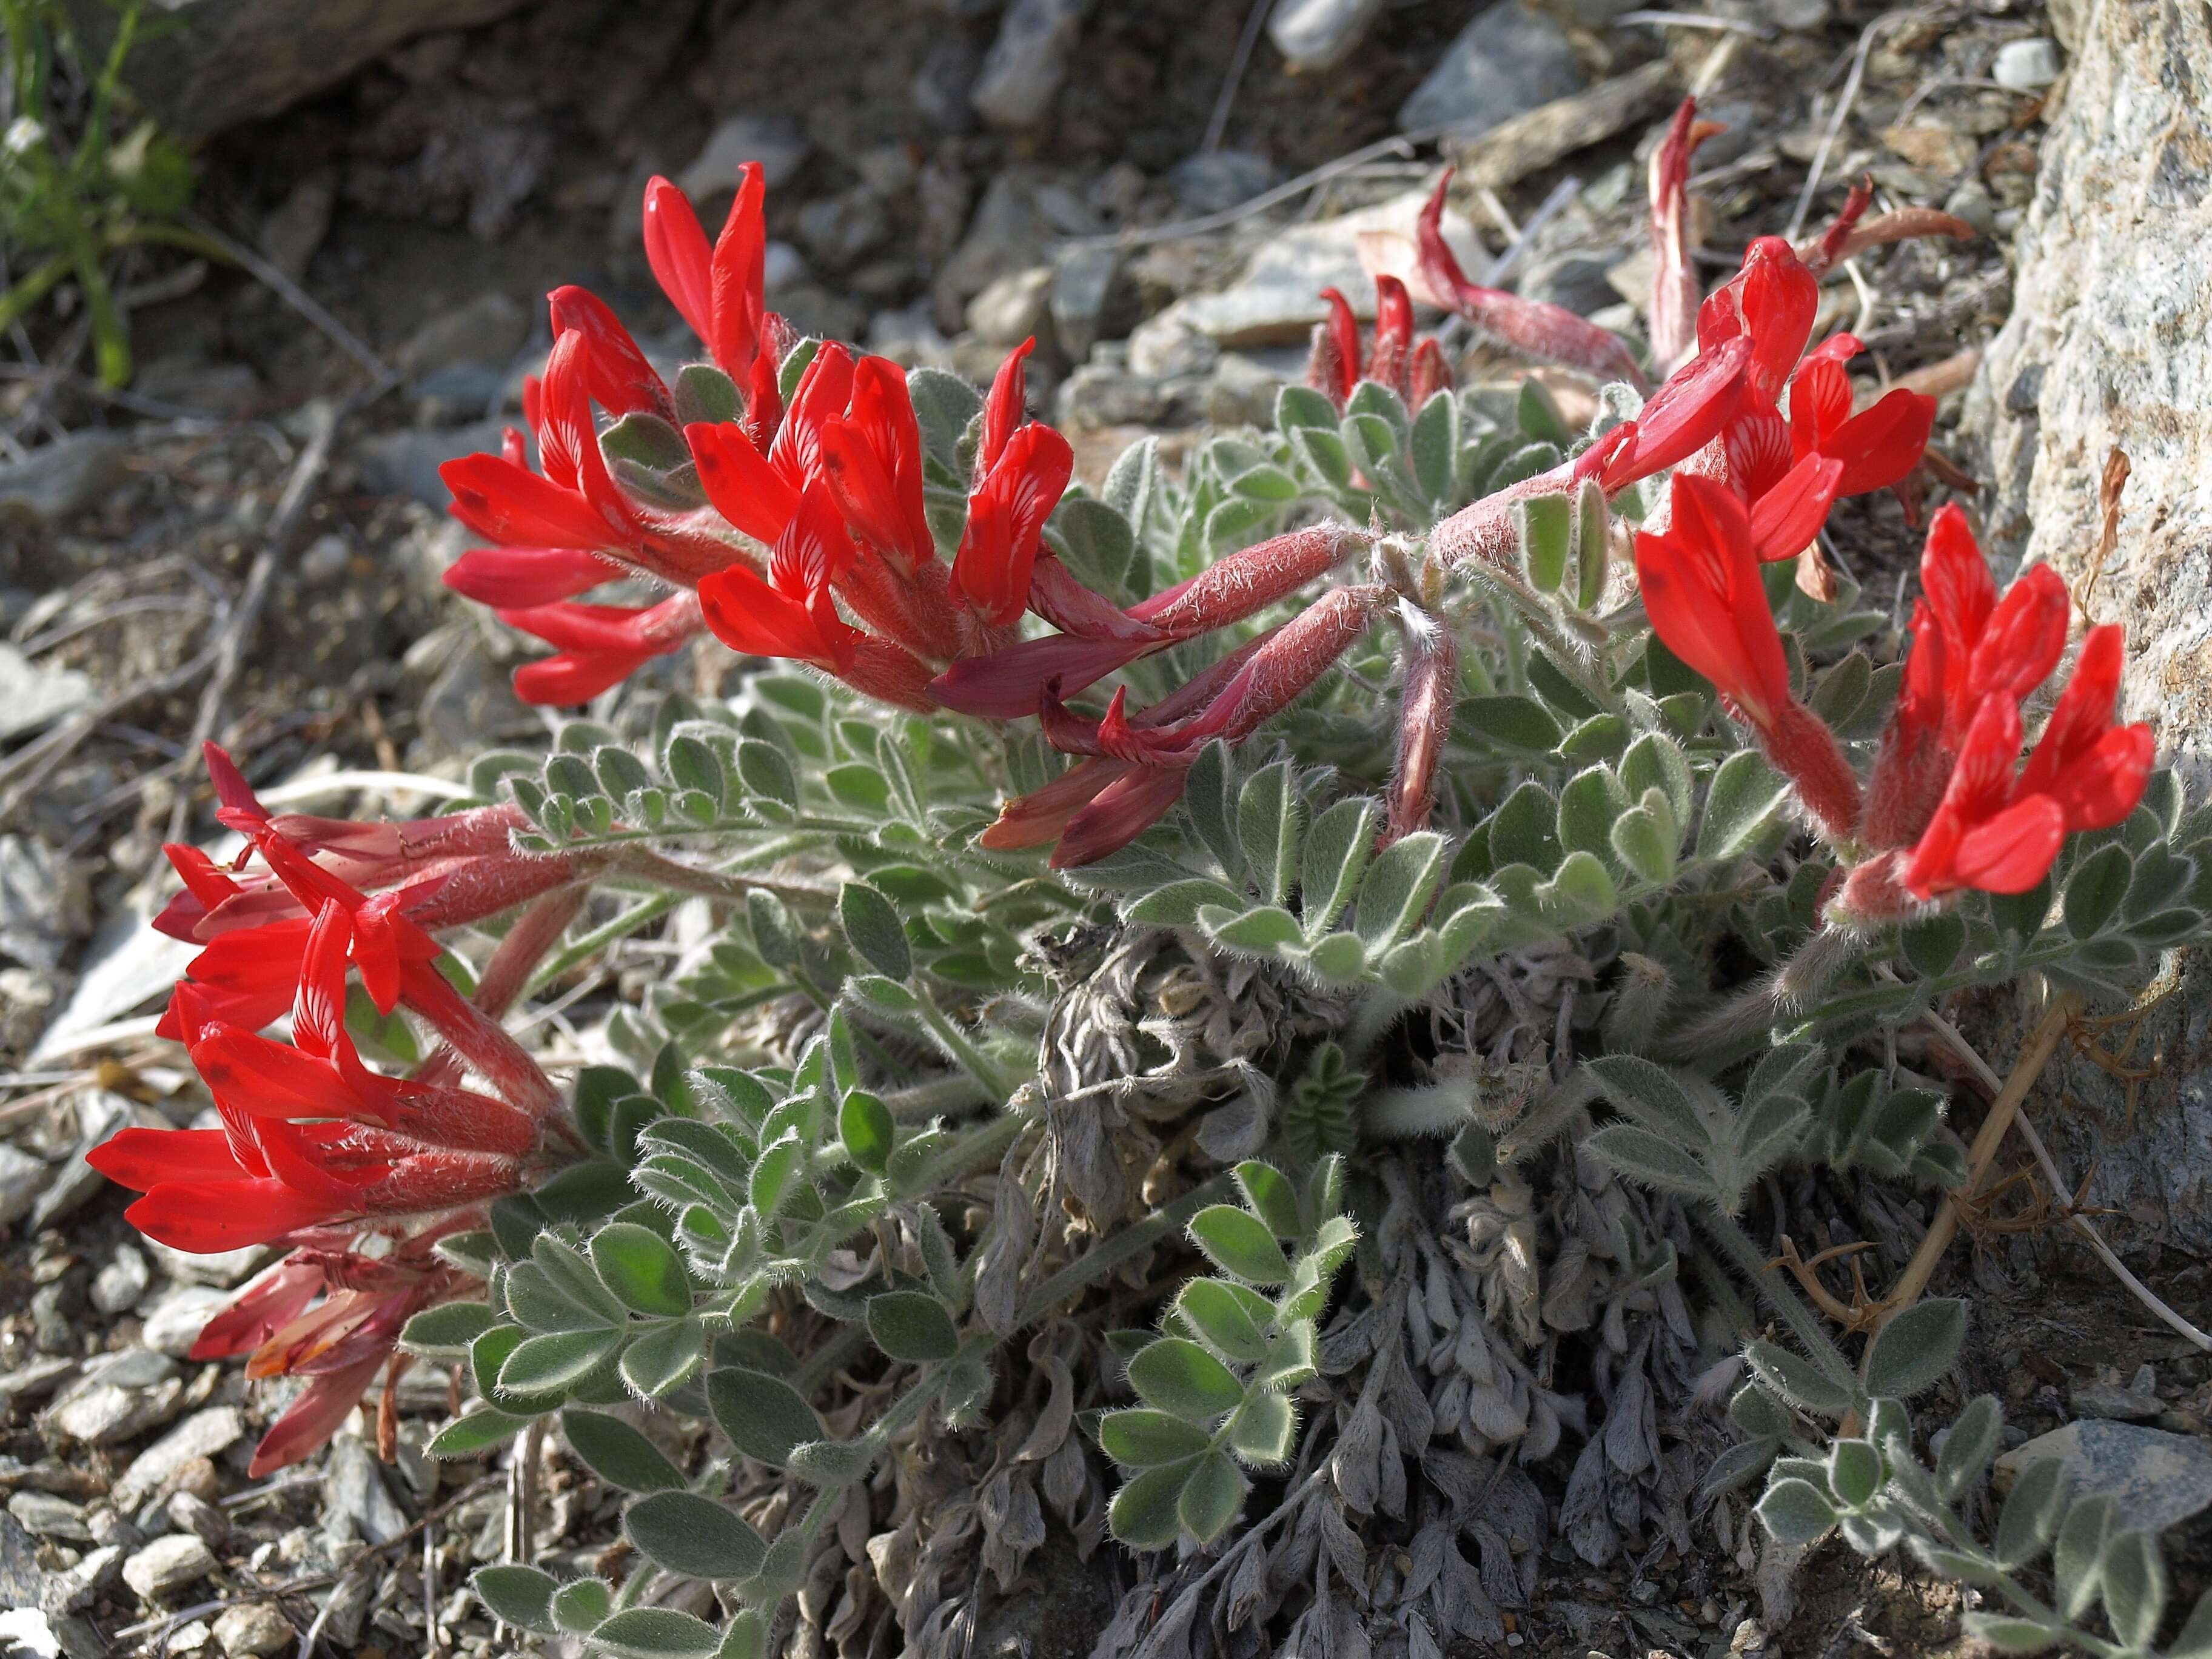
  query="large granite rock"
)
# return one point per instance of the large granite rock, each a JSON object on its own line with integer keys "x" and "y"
{"x": 2110, "y": 345}
{"x": 221, "y": 61}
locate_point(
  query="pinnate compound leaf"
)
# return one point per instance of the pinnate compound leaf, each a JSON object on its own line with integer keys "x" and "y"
{"x": 480, "y": 1431}
{"x": 1654, "y": 1160}
{"x": 1797, "y": 1380}
{"x": 579, "y": 1605}
{"x": 663, "y": 1359}
{"x": 1916, "y": 1348}
{"x": 1967, "y": 1449}
{"x": 444, "y": 1332}
{"x": 1261, "y": 1431}
{"x": 1224, "y": 1319}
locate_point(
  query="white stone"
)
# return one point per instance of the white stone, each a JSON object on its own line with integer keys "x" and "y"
{"x": 168, "y": 1565}
{"x": 1319, "y": 34}
{"x": 252, "y": 1629}
{"x": 118, "y": 1287}
{"x": 22, "y": 1176}
{"x": 174, "y": 1322}
{"x": 777, "y": 145}
{"x": 1508, "y": 61}
{"x": 1028, "y": 61}
{"x": 2026, "y": 65}
{"x": 1012, "y": 307}
{"x": 204, "y": 1434}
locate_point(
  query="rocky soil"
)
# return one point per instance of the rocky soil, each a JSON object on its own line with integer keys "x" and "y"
{"x": 247, "y": 545}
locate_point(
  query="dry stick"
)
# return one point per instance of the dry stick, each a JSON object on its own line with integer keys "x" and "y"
{"x": 1217, "y": 125}
{"x": 299, "y": 299}
{"x": 1843, "y": 103}
{"x": 2042, "y": 1044}
{"x": 238, "y": 626}
{"x": 2136, "y": 1288}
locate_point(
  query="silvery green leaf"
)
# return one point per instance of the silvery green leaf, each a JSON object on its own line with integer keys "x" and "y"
{"x": 763, "y": 1416}
{"x": 827, "y": 1464}
{"x": 665, "y": 1359}
{"x": 1206, "y": 798}
{"x": 1580, "y": 893}
{"x": 1398, "y": 887}
{"x": 656, "y": 1634}
{"x": 705, "y": 394}
{"x": 1546, "y": 534}
{"x": 1794, "y": 1512}
{"x": 766, "y": 774}
{"x": 1228, "y": 1318}
{"x": 1645, "y": 838}
{"x": 1177, "y": 904}
{"x": 1096, "y": 543}
{"x": 1740, "y": 1465}
{"x": 1916, "y": 1348}
{"x": 1132, "y": 482}
{"x": 1967, "y": 1569}
{"x": 1757, "y": 1412}
{"x": 1270, "y": 823}
{"x": 695, "y": 1536}
{"x": 1654, "y": 1160}
{"x": 1177, "y": 1376}
{"x": 943, "y": 404}
{"x": 1299, "y": 406}
{"x": 1524, "y": 830}
{"x": 1144, "y": 1514}
{"x": 1967, "y": 1449}
{"x": 1651, "y": 1094}
{"x": 1435, "y": 445}
{"x": 619, "y": 1454}
{"x": 2195, "y": 1641}
{"x": 1239, "y": 1243}
{"x": 1932, "y": 944}
{"x": 2079, "y": 1548}
{"x": 1842, "y": 689}
{"x": 518, "y": 1595}
{"x": 1744, "y": 795}
{"x": 1655, "y": 760}
{"x": 1263, "y": 1430}
{"x": 1511, "y": 722}
{"x": 873, "y": 929}
{"x": 1139, "y": 1439}
{"x": 1211, "y": 1497}
{"x": 910, "y": 1326}
{"x": 1261, "y": 932}
{"x": 1855, "y": 1471}
{"x": 2008, "y": 1634}
{"x": 1588, "y": 804}
{"x": 1593, "y": 552}
{"x": 1797, "y": 1380}
{"x": 581, "y": 1604}
{"x": 1326, "y": 452}
{"x": 1335, "y": 856}
{"x": 2135, "y": 1587}
{"x": 2096, "y": 890}
{"x": 2031, "y": 1512}
{"x": 1536, "y": 412}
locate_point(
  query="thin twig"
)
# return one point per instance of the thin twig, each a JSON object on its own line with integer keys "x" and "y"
{"x": 1843, "y": 103}
{"x": 299, "y": 299}
{"x": 2042, "y": 1044}
{"x": 2136, "y": 1287}
{"x": 1217, "y": 125}
{"x": 238, "y": 626}
{"x": 1688, "y": 20}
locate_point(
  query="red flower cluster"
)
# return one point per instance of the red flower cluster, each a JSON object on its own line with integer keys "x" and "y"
{"x": 315, "y": 1149}
{"x": 804, "y": 533}
{"x": 1416, "y": 372}
{"x": 1949, "y": 806}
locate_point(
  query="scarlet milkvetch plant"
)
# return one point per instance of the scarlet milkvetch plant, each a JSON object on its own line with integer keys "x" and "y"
{"x": 1362, "y": 711}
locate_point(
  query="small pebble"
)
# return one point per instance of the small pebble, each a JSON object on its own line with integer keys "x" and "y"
{"x": 121, "y": 1282}
{"x": 168, "y": 1565}
{"x": 325, "y": 559}
{"x": 252, "y": 1629}
{"x": 199, "y": 1517}
{"x": 45, "y": 1515}
{"x": 2026, "y": 65}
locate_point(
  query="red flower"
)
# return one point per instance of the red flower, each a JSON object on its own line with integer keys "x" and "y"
{"x": 1674, "y": 286}
{"x": 1771, "y": 302}
{"x": 872, "y": 461}
{"x": 1335, "y": 369}
{"x": 793, "y": 613}
{"x": 616, "y": 372}
{"x": 310, "y": 1134}
{"x": 719, "y": 292}
{"x": 1022, "y": 471}
{"x": 598, "y": 645}
{"x": 1534, "y": 328}
{"x": 1706, "y": 601}
{"x": 1877, "y": 448}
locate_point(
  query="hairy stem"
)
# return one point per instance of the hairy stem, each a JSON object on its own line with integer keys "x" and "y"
{"x": 1096, "y": 1263}
{"x": 1749, "y": 1261}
